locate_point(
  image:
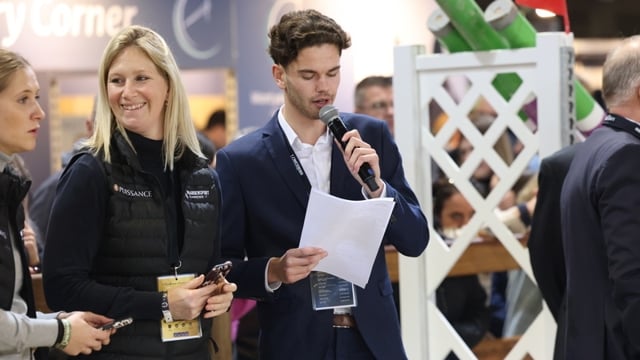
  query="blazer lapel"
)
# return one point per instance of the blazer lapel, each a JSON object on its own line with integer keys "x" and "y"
{"x": 285, "y": 161}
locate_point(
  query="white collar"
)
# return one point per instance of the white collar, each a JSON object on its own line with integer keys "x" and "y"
{"x": 291, "y": 134}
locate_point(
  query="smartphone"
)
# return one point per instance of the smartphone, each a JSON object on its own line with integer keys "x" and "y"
{"x": 117, "y": 324}
{"x": 217, "y": 274}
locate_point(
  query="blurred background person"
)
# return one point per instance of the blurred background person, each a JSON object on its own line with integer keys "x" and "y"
{"x": 545, "y": 242}
{"x": 374, "y": 97}
{"x": 42, "y": 198}
{"x": 216, "y": 129}
{"x": 207, "y": 148}
{"x": 514, "y": 299}
{"x": 461, "y": 299}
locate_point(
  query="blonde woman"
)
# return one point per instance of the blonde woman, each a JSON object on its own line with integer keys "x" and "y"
{"x": 139, "y": 211}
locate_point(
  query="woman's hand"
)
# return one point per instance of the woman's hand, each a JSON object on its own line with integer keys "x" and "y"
{"x": 220, "y": 302}
{"x": 187, "y": 301}
{"x": 86, "y": 335}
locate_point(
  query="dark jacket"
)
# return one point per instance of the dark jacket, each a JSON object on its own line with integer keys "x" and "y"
{"x": 142, "y": 222}
{"x": 13, "y": 190}
{"x": 600, "y": 227}
{"x": 545, "y": 242}
{"x": 462, "y": 300}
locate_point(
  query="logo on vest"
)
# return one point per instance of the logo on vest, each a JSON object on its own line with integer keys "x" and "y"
{"x": 196, "y": 194}
{"x": 3, "y": 234}
{"x": 147, "y": 194}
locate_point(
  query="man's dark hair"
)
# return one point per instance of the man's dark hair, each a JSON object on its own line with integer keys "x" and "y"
{"x": 298, "y": 30}
{"x": 217, "y": 118}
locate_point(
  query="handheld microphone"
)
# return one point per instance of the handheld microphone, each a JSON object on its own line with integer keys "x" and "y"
{"x": 330, "y": 116}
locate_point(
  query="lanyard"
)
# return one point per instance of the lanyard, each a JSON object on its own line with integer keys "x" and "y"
{"x": 171, "y": 204}
{"x": 622, "y": 123}
{"x": 294, "y": 159}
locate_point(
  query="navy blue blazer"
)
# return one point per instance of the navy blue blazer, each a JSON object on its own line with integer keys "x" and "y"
{"x": 601, "y": 234}
{"x": 264, "y": 205}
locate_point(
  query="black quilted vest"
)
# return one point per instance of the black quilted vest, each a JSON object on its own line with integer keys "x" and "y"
{"x": 134, "y": 252}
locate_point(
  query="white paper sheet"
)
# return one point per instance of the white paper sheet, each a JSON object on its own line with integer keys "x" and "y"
{"x": 350, "y": 231}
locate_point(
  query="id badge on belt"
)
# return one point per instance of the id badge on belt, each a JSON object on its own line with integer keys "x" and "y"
{"x": 330, "y": 292}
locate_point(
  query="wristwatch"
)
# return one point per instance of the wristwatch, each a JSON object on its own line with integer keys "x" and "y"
{"x": 165, "y": 307}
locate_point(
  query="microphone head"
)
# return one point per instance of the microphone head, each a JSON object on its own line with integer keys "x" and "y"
{"x": 328, "y": 113}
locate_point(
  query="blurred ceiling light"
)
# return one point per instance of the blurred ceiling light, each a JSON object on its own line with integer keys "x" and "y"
{"x": 544, "y": 13}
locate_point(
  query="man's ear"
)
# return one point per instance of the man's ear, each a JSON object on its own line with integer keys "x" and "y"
{"x": 279, "y": 75}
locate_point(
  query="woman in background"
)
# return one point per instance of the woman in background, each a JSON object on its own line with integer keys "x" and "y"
{"x": 22, "y": 331}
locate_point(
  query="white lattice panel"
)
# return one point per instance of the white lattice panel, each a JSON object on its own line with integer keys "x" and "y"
{"x": 418, "y": 81}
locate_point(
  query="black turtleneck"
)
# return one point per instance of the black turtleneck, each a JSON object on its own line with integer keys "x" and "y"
{"x": 151, "y": 159}
{"x": 150, "y": 155}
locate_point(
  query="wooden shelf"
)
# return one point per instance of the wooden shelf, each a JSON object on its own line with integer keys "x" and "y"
{"x": 479, "y": 257}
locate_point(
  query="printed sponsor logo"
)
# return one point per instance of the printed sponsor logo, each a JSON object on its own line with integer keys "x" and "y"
{"x": 197, "y": 194}
{"x": 147, "y": 194}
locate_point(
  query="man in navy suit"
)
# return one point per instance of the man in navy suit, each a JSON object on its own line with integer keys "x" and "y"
{"x": 601, "y": 222}
{"x": 266, "y": 177}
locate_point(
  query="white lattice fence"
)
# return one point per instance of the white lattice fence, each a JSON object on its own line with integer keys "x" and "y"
{"x": 546, "y": 74}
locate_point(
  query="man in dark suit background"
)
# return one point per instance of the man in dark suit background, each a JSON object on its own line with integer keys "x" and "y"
{"x": 601, "y": 222}
{"x": 266, "y": 177}
{"x": 545, "y": 241}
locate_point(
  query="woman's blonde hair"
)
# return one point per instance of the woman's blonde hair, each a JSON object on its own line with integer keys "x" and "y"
{"x": 10, "y": 62}
{"x": 179, "y": 131}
